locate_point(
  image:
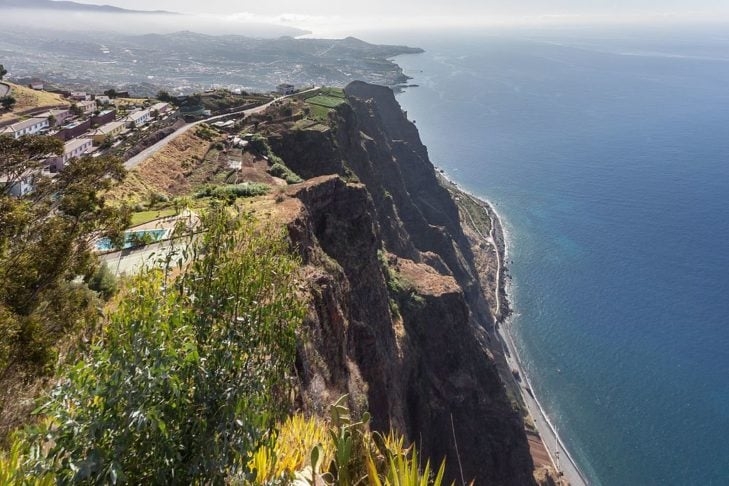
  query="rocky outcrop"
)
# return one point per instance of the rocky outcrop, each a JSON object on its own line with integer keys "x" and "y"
{"x": 397, "y": 317}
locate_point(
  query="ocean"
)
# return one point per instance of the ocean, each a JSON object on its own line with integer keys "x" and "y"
{"x": 606, "y": 151}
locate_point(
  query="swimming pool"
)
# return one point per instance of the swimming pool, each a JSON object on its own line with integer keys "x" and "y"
{"x": 134, "y": 238}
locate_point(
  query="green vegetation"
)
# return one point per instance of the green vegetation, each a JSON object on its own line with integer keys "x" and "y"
{"x": 342, "y": 452}
{"x": 142, "y": 217}
{"x": 189, "y": 377}
{"x": 323, "y": 102}
{"x": 206, "y": 132}
{"x": 234, "y": 191}
{"x": 164, "y": 96}
{"x": 221, "y": 100}
{"x": 44, "y": 248}
{"x": 278, "y": 168}
{"x": 3, "y": 72}
{"x": 7, "y": 102}
{"x": 402, "y": 291}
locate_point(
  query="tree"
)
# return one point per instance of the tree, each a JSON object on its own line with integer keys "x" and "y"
{"x": 45, "y": 241}
{"x": 3, "y": 72}
{"x": 76, "y": 110}
{"x": 7, "y": 102}
{"x": 191, "y": 375}
{"x": 163, "y": 95}
{"x": 111, "y": 93}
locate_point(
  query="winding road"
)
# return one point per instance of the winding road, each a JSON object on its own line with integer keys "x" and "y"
{"x": 149, "y": 151}
{"x": 558, "y": 453}
{"x": 491, "y": 241}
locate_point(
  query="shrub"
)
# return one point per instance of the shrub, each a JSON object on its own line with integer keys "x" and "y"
{"x": 103, "y": 281}
{"x": 190, "y": 376}
{"x": 233, "y": 191}
{"x": 281, "y": 171}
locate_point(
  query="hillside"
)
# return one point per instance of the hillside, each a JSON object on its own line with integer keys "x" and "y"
{"x": 398, "y": 304}
{"x": 30, "y": 99}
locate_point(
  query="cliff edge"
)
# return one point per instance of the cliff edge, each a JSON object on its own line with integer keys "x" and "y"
{"x": 398, "y": 317}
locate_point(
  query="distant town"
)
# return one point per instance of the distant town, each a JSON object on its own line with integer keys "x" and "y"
{"x": 188, "y": 62}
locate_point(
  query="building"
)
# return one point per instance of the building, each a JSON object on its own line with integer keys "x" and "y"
{"x": 87, "y": 107}
{"x": 103, "y": 99}
{"x": 31, "y": 126}
{"x": 73, "y": 130}
{"x": 59, "y": 117}
{"x": 79, "y": 96}
{"x": 107, "y": 132}
{"x": 286, "y": 89}
{"x": 106, "y": 116}
{"x": 160, "y": 108}
{"x": 21, "y": 187}
{"x": 71, "y": 149}
{"x": 37, "y": 85}
{"x": 138, "y": 118}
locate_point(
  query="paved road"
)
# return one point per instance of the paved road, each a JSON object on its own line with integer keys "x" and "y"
{"x": 148, "y": 152}
{"x": 4, "y": 89}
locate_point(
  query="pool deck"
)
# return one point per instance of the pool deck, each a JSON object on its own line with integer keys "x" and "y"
{"x": 132, "y": 260}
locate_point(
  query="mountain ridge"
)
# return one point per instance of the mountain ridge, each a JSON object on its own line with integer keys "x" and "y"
{"x": 67, "y": 5}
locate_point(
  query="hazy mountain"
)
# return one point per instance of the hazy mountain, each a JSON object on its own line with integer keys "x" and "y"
{"x": 45, "y": 15}
{"x": 72, "y": 6}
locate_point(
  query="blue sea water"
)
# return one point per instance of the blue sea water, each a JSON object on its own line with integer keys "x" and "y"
{"x": 607, "y": 154}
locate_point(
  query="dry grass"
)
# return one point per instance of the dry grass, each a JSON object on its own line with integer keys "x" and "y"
{"x": 166, "y": 172}
{"x": 129, "y": 101}
{"x": 27, "y": 98}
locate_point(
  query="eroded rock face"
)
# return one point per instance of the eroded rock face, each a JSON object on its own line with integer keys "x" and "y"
{"x": 416, "y": 358}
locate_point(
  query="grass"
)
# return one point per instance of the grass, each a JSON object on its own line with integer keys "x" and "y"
{"x": 147, "y": 216}
{"x": 319, "y": 113}
{"x": 324, "y": 101}
{"x": 27, "y": 98}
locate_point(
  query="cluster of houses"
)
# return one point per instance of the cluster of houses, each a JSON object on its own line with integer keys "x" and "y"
{"x": 82, "y": 128}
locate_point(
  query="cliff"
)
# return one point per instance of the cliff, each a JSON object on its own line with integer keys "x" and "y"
{"x": 398, "y": 316}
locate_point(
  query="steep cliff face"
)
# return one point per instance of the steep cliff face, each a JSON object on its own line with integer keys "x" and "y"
{"x": 397, "y": 316}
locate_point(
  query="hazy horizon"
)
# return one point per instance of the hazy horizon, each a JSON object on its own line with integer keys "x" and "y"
{"x": 327, "y": 18}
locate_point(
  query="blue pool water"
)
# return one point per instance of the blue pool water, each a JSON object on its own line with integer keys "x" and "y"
{"x": 104, "y": 244}
{"x": 607, "y": 153}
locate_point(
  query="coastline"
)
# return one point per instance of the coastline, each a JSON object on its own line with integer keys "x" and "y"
{"x": 562, "y": 461}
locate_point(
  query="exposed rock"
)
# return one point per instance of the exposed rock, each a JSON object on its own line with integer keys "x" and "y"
{"x": 397, "y": 314}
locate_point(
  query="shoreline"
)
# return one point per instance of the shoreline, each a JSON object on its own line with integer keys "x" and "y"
{"x": 562, "y": 460}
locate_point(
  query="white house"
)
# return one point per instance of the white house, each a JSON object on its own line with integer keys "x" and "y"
{"x": 87, "y": 106}
{"x": 160, "y": 108}
{"x": 138, "y": 118}
{"x": 71, "y": 149}
{"x": 79, "y": 95}
{"x": 31, "y": 126}
{"x": 60, "y": 116}
{"x": 21, "y": 187}
{"x": 103, "y": 99}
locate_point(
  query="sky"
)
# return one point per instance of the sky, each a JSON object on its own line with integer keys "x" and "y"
{"x": 339, "y": 17}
